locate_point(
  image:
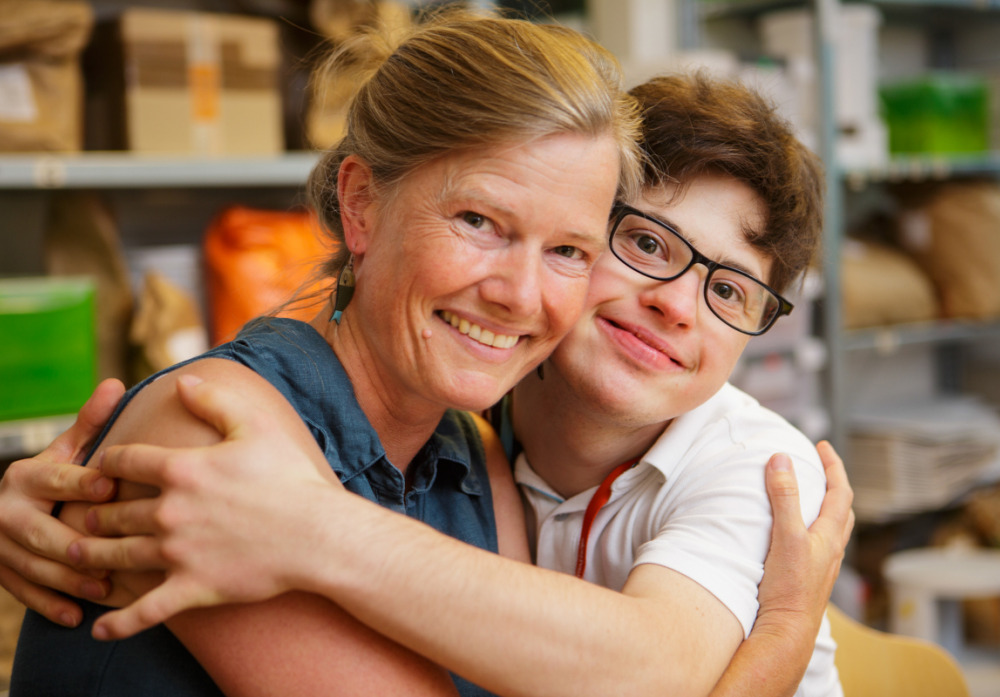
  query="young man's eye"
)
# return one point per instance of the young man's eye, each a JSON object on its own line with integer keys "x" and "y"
{"x": 647, "y": 244}
{"x": 728, "y": 292}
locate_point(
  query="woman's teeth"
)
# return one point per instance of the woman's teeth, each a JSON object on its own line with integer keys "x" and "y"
{"x": 474, "y": 331}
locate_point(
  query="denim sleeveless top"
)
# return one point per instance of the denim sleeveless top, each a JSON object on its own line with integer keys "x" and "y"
{"x": 450, "y": 491}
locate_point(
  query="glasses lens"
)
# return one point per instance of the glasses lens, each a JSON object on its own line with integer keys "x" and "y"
{"x": 650, "y": 248}
{"x": 740, "y": 301}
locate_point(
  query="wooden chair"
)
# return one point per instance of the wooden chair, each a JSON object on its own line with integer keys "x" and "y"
{"x": 877, "y": 664}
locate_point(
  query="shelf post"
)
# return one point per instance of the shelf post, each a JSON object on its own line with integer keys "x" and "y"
{"x": 825, "y": 27}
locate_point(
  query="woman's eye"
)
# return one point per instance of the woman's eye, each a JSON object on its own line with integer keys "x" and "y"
{"x": 568, "y": 251}
{"x": 474, "y": 219}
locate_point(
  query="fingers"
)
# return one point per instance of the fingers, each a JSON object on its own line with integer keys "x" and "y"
{"x": 839, "y": 497}
{"x": 46, "y": 601}
{"x": 222, "y": 407}
{"x": 156, "y": 606}
{"x": 135, "y": 517}
{"x": 73, "y": 444}
{"x": 49, "y": 604}
{"x": 54, "y": 481}
{"x": 138, "y": 553}
{"x": 783, "y": 492}
{"x": 95, "y": 414}
{"x": 138, "y": 462}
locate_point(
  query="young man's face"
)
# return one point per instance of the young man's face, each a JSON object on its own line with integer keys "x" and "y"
{"x": 646, "y": 351}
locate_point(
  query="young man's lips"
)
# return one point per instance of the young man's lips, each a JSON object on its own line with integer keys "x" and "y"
{"x": 650, "y": 340}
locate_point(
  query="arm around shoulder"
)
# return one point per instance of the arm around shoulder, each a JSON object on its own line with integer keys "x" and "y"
{"x": 294, "y": 643}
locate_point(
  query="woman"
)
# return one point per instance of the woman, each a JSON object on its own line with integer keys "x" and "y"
{"x": 473, "y": 187}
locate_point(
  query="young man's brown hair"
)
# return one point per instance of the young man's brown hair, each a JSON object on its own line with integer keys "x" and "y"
{"x": 694, "y": 125}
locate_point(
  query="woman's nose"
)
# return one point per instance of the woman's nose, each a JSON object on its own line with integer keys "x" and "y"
{"x": 515, "y": 282}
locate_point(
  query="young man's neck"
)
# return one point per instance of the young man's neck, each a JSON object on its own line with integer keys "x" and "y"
{"x": 568, "y": 440}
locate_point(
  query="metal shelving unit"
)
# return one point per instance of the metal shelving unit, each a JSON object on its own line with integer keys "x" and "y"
{"x": 841, "y": 343}
{"x": 25, "y": 180}
{"x": 107, "y": 170}
{"x": 28, "y": 436}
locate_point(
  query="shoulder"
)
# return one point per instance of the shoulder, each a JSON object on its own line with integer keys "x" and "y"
{"x": 156, "y": 415}
{"x": 728, "y": 440}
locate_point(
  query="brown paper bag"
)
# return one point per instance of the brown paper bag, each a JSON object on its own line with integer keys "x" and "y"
{"x": 40, "y": 81}
{"x": 954, "y": 234}
{"x": 167, "y": 328}
{"x": 882, "y": 285}
{"x": 81, "y": 239}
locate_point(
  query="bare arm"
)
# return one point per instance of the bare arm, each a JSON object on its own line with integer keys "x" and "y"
{"x": 799, "y": 573}
{"x": 33, "y": 543}
{"x": 274, "y": 646}
{"x": 526, "y": 639}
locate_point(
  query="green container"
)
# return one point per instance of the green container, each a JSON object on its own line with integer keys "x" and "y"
{"x": 47, "y": 346}
{"x": 939, "y": 113}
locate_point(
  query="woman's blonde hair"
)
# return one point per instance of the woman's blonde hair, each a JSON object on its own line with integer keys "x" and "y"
{"x": 460, "y": 79}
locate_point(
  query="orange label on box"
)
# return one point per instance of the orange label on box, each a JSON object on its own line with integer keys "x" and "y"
{"x": 205, "y": 84}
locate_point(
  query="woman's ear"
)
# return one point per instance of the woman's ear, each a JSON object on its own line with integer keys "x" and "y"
{"x": 356, "y": 194}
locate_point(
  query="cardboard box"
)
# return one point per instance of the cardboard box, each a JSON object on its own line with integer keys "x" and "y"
{"x": 162, "y": 81}
{"x": 41, "y": 89}
{"x": 47, "y": 356}
{"x": 331, "y": 92}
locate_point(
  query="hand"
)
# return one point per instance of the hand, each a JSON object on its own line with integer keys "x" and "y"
{"x": 32, "y": 542}
{"x": 802, "y": 564}
{"x": 228, "y": 526}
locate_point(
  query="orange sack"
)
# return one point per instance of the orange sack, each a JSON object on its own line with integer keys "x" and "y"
{"x": 256, "y": 260}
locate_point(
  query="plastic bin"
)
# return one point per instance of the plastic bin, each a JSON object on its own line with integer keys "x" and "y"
{"x": 47, "y": 346}
{"x": 937, "y": 114}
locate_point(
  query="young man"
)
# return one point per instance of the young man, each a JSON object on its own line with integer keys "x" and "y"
{"x": 680, "y": 532}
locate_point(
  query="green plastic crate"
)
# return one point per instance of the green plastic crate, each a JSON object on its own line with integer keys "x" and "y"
{"x": 48, "y": 358}
{"x": 939, "y": 113}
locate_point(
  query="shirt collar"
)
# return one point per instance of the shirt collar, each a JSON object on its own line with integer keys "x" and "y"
{"x": 346, "y": 436}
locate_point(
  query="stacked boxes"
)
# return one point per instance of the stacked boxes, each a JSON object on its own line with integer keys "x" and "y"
{"x": 163, "y": 81}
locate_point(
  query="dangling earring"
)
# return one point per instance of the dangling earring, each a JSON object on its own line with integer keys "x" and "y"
{"x": 344, "y": 290}
{"x": 540, "y": 370}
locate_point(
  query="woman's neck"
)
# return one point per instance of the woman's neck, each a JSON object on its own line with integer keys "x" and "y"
{"x": 403, "y": 421}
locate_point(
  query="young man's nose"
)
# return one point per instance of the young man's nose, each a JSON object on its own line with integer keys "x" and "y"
{"x": 679, "y": 300}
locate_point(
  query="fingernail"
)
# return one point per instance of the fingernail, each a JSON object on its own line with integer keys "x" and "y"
{"x": 190, "y": 380}
{"x": 74, "y": 553}
{"x": 100, "y": 633}
{"x": 93, "y": 590}
{"x": 102, "y": 487}
{"x": 781, "y": 462}
{"x": 68, "y": 620}
{"x": 90, "y": 520}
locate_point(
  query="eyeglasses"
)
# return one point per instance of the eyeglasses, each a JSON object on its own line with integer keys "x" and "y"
{"x": 657, "y": 251}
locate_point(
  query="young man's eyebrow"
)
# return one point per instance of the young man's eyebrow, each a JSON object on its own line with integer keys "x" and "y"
{"x": 748, "y": 233}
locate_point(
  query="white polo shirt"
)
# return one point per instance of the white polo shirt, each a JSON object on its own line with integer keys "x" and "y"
{"x": 695, "y": 503}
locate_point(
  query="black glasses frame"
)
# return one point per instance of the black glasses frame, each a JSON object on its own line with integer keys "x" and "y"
{"x": 619, "y": 213}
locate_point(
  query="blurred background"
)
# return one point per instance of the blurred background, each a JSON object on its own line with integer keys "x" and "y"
{"x": 152, "y": 162}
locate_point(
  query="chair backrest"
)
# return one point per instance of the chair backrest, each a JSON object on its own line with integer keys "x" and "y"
{"x": 876, "y": 664}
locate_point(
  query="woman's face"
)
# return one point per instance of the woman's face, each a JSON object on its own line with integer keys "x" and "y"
{"x": 478, "y": 263}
